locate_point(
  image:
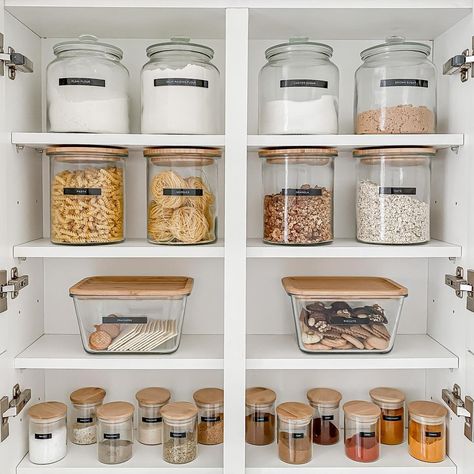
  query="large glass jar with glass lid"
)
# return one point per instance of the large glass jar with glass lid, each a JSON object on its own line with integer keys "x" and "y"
{"x": 87, "y": 88}
{"x": 180, "y": 89}
{"x": 298, "y": 89}
{"x": 395, "y": 89}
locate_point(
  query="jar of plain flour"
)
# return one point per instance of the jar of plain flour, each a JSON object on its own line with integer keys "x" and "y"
{"x": 180, "y": 89}
{"x": 87, "y": 88}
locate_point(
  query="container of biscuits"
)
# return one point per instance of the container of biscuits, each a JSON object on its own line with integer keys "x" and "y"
{"x": 345, "y": 313}
{"x": 131, "y": 314}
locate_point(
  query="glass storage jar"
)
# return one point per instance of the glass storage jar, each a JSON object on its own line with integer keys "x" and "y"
{"x": 84, "y": 419}
{"x": 182, "y": 191}
{"x": 87, "y": 88}
{"x": 295, "y": 427}
{"x": 260, "y": 416}
{"x": 392, "y": 422}
{"x": 179, "y": 432}
{"x": 150, "y": 422}
{"x": 427, "y": 431}
{"x": 298, "y": 204}
{"x": 325, "y": 402}
{"x": 210, "y": 403}
{"x": 362, "y": 431}
{"x": 393, "y": 195}
{"x": 180, "y": 89}
{"x": 87, "y": 195}
{"x": 298, "y": 89}
{"x": 115, "y": 432}
{"x": 395, "y": 89}
{"x": 47, "y": 432}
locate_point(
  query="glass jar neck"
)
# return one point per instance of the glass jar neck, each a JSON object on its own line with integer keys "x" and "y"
{"x": 180, "y": 56}
{"x": 396, "y": 56}
{"x": 327, "y": 406}
{"x": 268, "y": 407}
{"x": 178, "y": 423}
{"x": 155, "y": 406}
{"x": 427, "y": 421}
{"x": 389, "y": 406}
{"x": 77, "y": 53}
{"x": 86, "y": 406}
{"x": 298, "y": 55}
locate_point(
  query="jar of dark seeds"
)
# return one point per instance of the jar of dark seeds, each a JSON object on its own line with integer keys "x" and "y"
{"x": 179, "y": 432}
{"x": 210, "y": 403}
{"x": 325, "y": 402}
{"x": 115, "y": 432}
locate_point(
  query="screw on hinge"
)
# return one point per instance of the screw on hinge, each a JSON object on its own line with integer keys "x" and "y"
{"x": 455, "y": 149}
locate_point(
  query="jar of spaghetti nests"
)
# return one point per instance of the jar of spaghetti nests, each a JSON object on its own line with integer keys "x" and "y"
{"x": 182, "y": 188}
{"x": 87, "y": 195}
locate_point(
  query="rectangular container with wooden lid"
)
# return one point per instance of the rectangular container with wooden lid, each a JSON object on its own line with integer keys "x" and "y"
{"x": 345, "y": 313}
{"x": 131, "y": 314}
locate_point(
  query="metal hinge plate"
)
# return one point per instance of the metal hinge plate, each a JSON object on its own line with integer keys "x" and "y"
{"x": 461, "y": 64}
{"x": 458, "y": 283}
{"x": 13, "y": 61}
{"x": 9, "y": 409}
{"x": 465, "y": 408}
{"x": 11, "y": 286}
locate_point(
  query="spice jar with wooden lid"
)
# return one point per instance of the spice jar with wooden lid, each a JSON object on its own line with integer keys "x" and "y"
{"x": 150, "y": 422}
{"x": 392, "y": 422}
{"x": 260, "y": 416}
{"x": 427, "y": 431}
{"x": 179, "y": 432}
{"x": 85, "y": 402}
{"x": 115, "y": 432}
{"x": 294, "y": 429}
{"x": 210, "y": 403}
{"x": 325, "y": 402}
{"x": 362, "y": 430}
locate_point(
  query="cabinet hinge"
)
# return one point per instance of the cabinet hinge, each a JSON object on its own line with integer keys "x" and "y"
{"x": 461, "y": 64}
{"x": 465, "y": 408}
{"x": 11, "y": 286}
{"x": 461, "y": 285}
{"x": 9, "y": 409}
{"x": 13, "y": 61}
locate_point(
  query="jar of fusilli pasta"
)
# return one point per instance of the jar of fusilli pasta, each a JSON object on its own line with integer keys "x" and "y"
{"x": 87, "y": 195}
{"x": 182, "y": 188}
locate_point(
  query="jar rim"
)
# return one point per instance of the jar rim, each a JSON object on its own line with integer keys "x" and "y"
{"x": 179, "y": 44}
{"x": 397, "y": 152}
{"x": 395, "y": 44}
{"x": 299, "y": 45}
{"x": 88, "y": 43}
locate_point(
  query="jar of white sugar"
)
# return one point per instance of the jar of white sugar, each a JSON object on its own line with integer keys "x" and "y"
{"x": 180, "y": 89}
{"x": 150, "y": 423}
{"x": 393, "y": 195}
{"x": 298, "y": 89}
{"x": 87, "y": 88}
{"x": 47, "y": 432}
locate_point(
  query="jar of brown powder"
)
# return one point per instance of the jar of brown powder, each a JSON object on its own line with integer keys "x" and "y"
{"x": 260, "y": 416}
{"x": 210, "y": 403}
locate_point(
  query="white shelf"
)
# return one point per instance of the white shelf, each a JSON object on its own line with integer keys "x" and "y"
{"x": 60, "y": 351}
{"x": 145, "y": 460}
{"x": 410, "y": 352}
{"x": 332, "y": 460}
{"x": 351, "y": 248}
{"x": 131, "y": 248}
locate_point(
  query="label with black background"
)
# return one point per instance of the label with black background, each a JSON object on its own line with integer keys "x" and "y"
{"x": 81, "y": 81}
{"x": 210, "y": 419}
{"x": 302, "y": 192}
{"x": 82, "y": 191}
{"x": 342, "y": 321}
{"x": 151, "y": 420}
{"x": 111, "y": 435}
{"x": 397, "y": 191}
{"x": 181, "y": 81}
{"x": 261, "y": 418}
{"x": 433, "y": 434}
{"x": 84, "y": 420}
{"x": 43, "y": 435}
{"x": 175, "y": 434}
{"x": 304, "y": 83}
{"x": 392, "y": 417}
{"x": 327, "y": 417}
{"x": 403, "y": 83}
{"x": 367, "y": 434}
{"x": 297, "y": 435}
{"x": 124, "y": 320}
{"x": 182, "y": 192}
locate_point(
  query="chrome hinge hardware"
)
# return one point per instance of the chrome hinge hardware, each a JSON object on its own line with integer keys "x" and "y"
{"x": 461, "y": 64}
{"x": 13, "y": 61}
{"x": 458, "y": 283}
{"x": 9, "y": 409}
{"x": 12, "y": 286}
{"x": 465, "y": 408}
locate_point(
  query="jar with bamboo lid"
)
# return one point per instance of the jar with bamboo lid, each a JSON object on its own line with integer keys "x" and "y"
{"x": 325, "y": 402}
{"x": 260, "y": 416}
{"x": 210, "y": 403}
{"x": 150, "y": 422}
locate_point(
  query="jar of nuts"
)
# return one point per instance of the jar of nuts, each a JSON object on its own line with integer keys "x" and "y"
{"x": 298, "y": 204}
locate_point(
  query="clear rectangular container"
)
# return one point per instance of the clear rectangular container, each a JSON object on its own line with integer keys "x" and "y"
{"x": 345, "y": 313}
{"x": 131, "y": 314}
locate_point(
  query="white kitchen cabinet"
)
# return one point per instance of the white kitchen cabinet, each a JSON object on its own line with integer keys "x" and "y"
{"x": 239, "y": 327}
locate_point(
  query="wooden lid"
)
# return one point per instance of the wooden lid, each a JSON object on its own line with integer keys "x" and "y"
{"x": 259, "y": 396}
{"x": 179, "y": 411}
{"x": 86, "y": 153}
{"x": 115, "y": 411}
{"x": 182, "y": 152}
{"x": 324, "y": 396}
{"x": 209, "y": 396}
{"x": 425, "y": 409}
{"x": 47, "y": 412}
{"x": 343, "y": 286}
{"x": 294, "y": 411}
{"x": 88, "y": 396}
{"x": 361, "y": 410}
{"x": 153, "y": 396}
{"x": 394, "y": 152}
{"x": 133, "y": 286}
{"x": 387, "y": 395}
{"x": 305, "y": 152}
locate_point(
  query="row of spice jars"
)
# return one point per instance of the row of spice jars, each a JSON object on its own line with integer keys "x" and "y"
{"x": 88, "y": 195}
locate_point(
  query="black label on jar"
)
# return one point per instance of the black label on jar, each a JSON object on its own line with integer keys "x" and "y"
{"x": 342, "y": 321}
{"x": 85, "y": 420}
{"x": 182, "y": 192}
{"x": 82, "y": 191}
{"x": 397, "y": 190}
{"x": 151, "y": 420}
{"x": 392, "y": 417}
{"x": 302, "y": 192}
{"x": 81, "y": 81}
{"x": 297, "y": 435}
{"x": 181, "y": 81}
{"x": 124, "y": 320}
{"x": 433, "y": 434}
{"x": 367, "y": 434}
{"x": 176, "y": 434}
{"x": 261, "y": 418}
{"x": 304, "y": 83}
{"x": 111, "y": 435}
{"x": 210, "y": 419}
{"x": 403, "y": 83}
{"x": 43, "y": 435}
{"x": 327, "y": 417}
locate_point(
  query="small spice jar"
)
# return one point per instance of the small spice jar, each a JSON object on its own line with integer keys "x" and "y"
{"x": 427, "y": 431}
{"x": 84, "y": 420}
{"x": 298, "y": 204}
{"x": 294, "y": 429}
{"x": 362, "y": 431}
{"x": 392, "y": 423}
{"x": 179, "y": 432}
{"x": 260, "y": 416}
{"x": 150, "y": 423}
{"x": 115, "y": 432}
{"x": 210, "y": 403}
{"x": 325, "y": 402}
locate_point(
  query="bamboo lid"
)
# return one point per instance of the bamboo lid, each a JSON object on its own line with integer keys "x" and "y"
{"x": 47, "y": 412}
{"x": 209, "y": 396}
{"x": 153, "y": 396}
{"x": 179, "y": 411}
{"x": 70, "y": 154}
{"x": 294, "y": 411}
{"x": 387, "y": 395}
{"x": 297, "y": 152}
{"x": 343, "y": 286}
{"x": 88, "y": 396}
{"x": 324, "y": 396}
{"x": 115, "y": 411}
{"x": 259, "y": 396}
{"x": 393, "y": 152}
{"x": 182, "y": 152}
{"x": 361, "y": 410}
{"x": 425, "y": 409}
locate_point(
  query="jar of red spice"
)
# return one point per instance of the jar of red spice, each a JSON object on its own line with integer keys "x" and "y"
{"x": 325, "y": 402}
{"x": 392, "y": 422}
{"x": 362, "y": 431}
{"x": 260, "y": 416}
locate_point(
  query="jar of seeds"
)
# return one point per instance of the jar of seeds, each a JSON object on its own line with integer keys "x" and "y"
{"x": 150, "y": 425}
{"x": 210, "y": 403}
